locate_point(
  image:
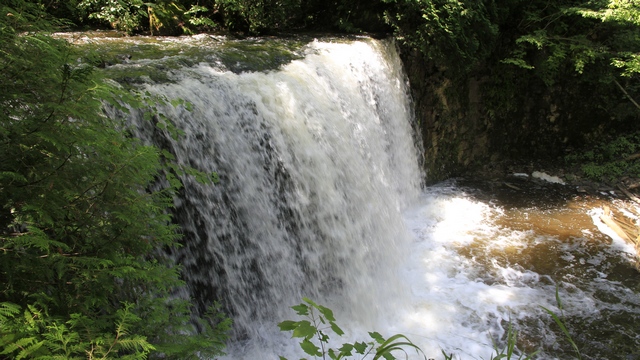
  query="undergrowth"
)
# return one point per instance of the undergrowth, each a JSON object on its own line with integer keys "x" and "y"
{"x": 610, "y": 161}
{"x": 318, "y": 323}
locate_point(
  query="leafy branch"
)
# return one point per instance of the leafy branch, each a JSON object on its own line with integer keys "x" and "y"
{"x": 320, "y": 319}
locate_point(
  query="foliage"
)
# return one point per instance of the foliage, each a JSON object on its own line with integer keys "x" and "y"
{"x": 612, "y": 160}
{"x": 36, "y": 335}
{"x": 313, "y": 332}
{"x": 559, "y": 36}
{"x": 174, "y": 17}
{"x": 183, "y": 16}
{"x": 354, "y": 16}
{"x": 121, "y": 15}
{"x": 196, "y": 19}
{"x": 456, "y": 34}
{"x": 576, "y": 34}
{"x": 258, "y": 17}
{"x": 159, "y": 17}
{"x": 624, "y": 15}
{"x": 81, "y": 225}
{"x": 509, "y": 351}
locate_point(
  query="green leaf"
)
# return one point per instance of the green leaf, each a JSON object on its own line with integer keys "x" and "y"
{"x": 30, "y": 350}
{"x": 8, "y": 310}
{"x": 326, "y": 312}
{"x": 360, "y": 347}
{"x": 310, "y": 348}
{"x": 304, "y": 330}
{"x": 392, "y": 344}
{"x": 346, "y": 349}
{"x": 301, "y": 309}
{"x": 518, "y": 62}
{"x": 377, "y": 337}
{"x": 332, "y": 354}
{"x": 310, "y": 302}
{"x": 336, "y": 329}
{"x": 323, "y": 337}
{"x": 287, "y": 325}
{"x": 564, "y": 329}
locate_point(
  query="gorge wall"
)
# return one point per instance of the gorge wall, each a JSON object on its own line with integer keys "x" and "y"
{"x": 503, "y": 114}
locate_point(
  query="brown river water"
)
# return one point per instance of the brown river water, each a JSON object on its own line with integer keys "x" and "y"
{"x": 544, "y": 236}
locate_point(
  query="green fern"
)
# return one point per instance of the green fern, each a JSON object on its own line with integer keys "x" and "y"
{"x": 8, "y": 310}
{"x": 79, "y": 222}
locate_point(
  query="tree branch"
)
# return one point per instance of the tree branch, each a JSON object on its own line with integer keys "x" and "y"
{"x": 626, "y": 94}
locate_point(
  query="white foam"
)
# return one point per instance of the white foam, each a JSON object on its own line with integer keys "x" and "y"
{"x": 547, "y": 177}
{"x": 617, "y": 242}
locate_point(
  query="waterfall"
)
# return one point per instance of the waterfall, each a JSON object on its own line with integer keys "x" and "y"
{"x": 319, "y": 196}
{"x": 316, "y": 162}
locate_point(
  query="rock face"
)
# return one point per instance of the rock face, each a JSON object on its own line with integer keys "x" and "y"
{"x": 500, "y": 114}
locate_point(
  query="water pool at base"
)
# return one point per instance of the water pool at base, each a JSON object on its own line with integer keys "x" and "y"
{"x": 485, "y": 256}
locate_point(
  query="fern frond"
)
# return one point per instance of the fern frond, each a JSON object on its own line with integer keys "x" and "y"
{"x": 8, "y": 310}
{"x": 136, "y": 343}
{"x": 24, "y": 346}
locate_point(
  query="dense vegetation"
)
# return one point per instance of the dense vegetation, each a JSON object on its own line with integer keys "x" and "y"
{"x": 81, "y": 226}
{"x": 82, "y": 219}
{"x": 547, "y": 77}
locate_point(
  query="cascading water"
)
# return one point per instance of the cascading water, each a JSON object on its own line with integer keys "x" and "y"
{"x": 319, "y": 196}
{"x": 316, "y": 162}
